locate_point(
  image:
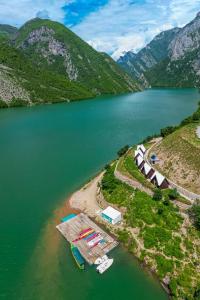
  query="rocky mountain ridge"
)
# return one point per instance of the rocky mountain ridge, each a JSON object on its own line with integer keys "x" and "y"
{"x": 157, "y": 50}
{"x": 176, "y": 63}
{"x": 49, "y": 63}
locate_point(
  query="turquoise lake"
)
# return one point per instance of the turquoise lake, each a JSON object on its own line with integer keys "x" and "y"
{"x": 49, "y": 151}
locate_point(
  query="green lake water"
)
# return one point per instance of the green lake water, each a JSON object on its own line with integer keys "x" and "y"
{"x": 46, "y": 153}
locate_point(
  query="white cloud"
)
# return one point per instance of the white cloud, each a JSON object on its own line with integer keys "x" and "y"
{"x": 124, "y": 25}
{"x": 118, "y": 26}
{"x": 17, "y": 12}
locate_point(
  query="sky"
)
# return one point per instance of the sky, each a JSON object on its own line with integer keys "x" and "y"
{"x": 112, "y": 26}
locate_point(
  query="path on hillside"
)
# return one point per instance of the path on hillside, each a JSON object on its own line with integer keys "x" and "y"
{"x": 198, "y": 132}
{"x": 131, "y": 182}
{"x": 182, "y": 191}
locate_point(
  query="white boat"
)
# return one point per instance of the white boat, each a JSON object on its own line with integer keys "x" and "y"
{"x": 100, "y": 260}
{"x": 105, "y": 265}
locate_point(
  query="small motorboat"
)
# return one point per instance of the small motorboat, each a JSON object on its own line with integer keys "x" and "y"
{"x": 100, "y": 260}
{"x": 105, "y": 265}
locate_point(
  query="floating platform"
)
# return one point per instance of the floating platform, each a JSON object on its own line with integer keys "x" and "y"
{"x": 71, "y": 229}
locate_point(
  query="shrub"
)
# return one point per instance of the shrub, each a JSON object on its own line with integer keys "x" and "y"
{"x": 18, "y": 102}
{"x": 157, "y": 195}
{"x": 123, "y": 236}
{"x": 3, "y": 104}
{"x": 164, "y": 265}
{"x": 167, "y": 130}
{"x": 173, "y": 194}
{"x": 123, "y": 150}
{"x": 194, "y": 213}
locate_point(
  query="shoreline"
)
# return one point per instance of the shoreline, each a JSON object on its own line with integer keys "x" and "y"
{"x": 67, "y": 101}
{"x": 85, "y": 200}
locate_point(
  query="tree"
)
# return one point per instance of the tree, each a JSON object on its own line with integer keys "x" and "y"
{"x": 194, "y": 213}
{"x": 123, "y": 150}
{"x": 167, "y": 130}
{"x": 173, "y": 194}
{"x": 157, "y": 195}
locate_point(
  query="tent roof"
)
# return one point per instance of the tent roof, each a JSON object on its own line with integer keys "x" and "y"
{"x": 139, "y": 160}
{"x": 147, "y": 168}
{"x": 111, "y": 212}
{"x": 139, "y": 152}
{"x": 159, "y": 177}
{"x": 142, "y": 148}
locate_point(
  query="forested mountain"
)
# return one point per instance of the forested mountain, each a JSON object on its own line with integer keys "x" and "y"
{"x": 174, "y": 61}
{"x": 157, "y": 50}
{"x": 46, "y": 62}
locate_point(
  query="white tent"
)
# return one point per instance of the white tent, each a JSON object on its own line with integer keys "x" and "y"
{"x": 138, "y": 152}
{"x": 159, "y": 178}
{"x": 139, "y": 160}
{"x": 147, "y": 168}
{"x": 142, "y": 148}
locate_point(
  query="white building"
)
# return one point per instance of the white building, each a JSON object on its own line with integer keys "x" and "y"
{"x": 111, "y": 215}
{"x": 146, "y": 169}
{"x": 142, "y": 148}
{"x": 138, "y": 152}
{"x": 159, "y": 180}
{"x": 140, "y": 161}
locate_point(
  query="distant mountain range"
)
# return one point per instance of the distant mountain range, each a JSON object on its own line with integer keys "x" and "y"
{"x": 171, "y": 59}
{"x": 44, "y": 61}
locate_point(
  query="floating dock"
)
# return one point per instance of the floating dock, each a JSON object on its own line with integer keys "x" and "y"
{"x": 71, "y": 228}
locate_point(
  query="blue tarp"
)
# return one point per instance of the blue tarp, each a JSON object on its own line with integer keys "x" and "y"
{"x": 68, "y": 217}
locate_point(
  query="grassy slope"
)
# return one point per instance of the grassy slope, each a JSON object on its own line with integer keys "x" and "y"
{"x": 179, "y": 155}
{"x": 127, "y": 166}
{"x": 96, "y": 70}
{"x": 154, "y": 233}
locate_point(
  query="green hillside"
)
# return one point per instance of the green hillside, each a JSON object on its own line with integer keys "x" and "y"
{"x": 178, "y": 73}
{"x": 7, "y": 30}
{"x": 96, "y": 70}
{"x": 42, "y": 85}
{"x": 46, "y": 62}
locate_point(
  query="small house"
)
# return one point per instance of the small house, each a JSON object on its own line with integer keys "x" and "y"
{"x": 137, "y": 153}
{"x": 146, "y": 169}
{"x": 159, "y": 180}
{"x": 141, "y": 148}
{"x": 111, "y": 215}
{"x": 140, "y": 161}
{"x": 150, "y": 174}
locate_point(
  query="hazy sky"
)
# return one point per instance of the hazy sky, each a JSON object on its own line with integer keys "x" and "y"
{"x": 113, "y": 26}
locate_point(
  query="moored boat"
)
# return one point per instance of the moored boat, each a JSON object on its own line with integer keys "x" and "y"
{"x": 78, "y": 257}
{"x": 105, "y": 265}
{"x": 100, "y": 260}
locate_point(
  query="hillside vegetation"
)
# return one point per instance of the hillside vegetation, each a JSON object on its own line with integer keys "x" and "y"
{"x": 46, "y": 62}
{"x": 157, "y": 233}
{"x": 179, "y": 157}
{"x": 171, "y": 59}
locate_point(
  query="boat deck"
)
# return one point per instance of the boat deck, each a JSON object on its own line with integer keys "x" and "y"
{"x": 71, "y": 229}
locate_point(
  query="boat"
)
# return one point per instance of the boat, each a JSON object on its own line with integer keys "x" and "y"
{"x": 83, "y": 235}
{"x": 94, "y": 241}
{"x": 100, "y": 260}
{"x": 105, "y": 265}
{"x": 78, "y": 257}
{"x": 92, "y": 236}
{"x": 84, "y": 231}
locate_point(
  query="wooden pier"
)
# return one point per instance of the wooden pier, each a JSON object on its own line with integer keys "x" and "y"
{"x": 71, "y": 230}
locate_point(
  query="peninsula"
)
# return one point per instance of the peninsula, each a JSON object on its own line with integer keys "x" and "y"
{"x": 160, "y": 226}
